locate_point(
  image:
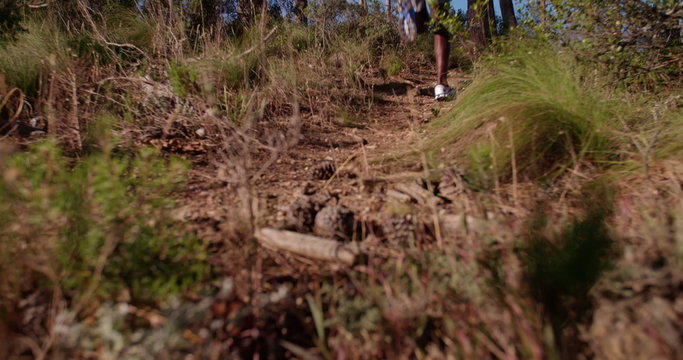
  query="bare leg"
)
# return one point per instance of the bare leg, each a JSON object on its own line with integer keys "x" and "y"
{"x": 442, "y": 51}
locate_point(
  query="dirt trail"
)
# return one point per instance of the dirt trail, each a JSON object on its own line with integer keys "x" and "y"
{"x": 400, "y": 107}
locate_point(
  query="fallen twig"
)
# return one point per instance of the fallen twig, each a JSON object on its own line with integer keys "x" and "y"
{"x": 308, "y": 245}
{"x": 420, "y": 194}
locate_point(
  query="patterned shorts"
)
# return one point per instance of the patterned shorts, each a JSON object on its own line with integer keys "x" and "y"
{"x": 414, "y": 17}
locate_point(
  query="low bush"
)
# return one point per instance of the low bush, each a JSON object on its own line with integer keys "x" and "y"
{"x": 23, "y": 59}
{"x": 95, "y": 229}
{"x": 638, "y": 42}
{"x": 529, "y": 111}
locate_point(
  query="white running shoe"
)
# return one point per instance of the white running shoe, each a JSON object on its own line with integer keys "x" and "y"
{"x": 443, "y": 92}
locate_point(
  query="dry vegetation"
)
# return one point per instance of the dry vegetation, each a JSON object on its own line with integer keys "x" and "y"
{"x": 167, "y": 182}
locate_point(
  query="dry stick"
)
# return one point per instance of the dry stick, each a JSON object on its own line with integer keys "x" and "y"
{"x": 308, "y": 245}
{"x": 366, "y": 165}
{"x": 50, "y": 114}
{"x": 294, "y": 134}
{"x": 494, "y": 162}
{"x": 26, "y": 342}
{"x": 56, "y": 307}
{"x": 111, "y": 99}
{"x": 646, "y": 151}
{"x": 5, "y": 102}
{"x": 272, "y": 31}
{"x": 351, "y": 157}
{"x": 86, "y": 15}
{"x": 37, "y": 6}
{"x": 432, "y": 204}
{"x": 75, "y": 126}
{"x": 514, "y": 164}
{"x": 107, "y": 249}
{"x": 575, "y": 170}
{"x": 491, "y": 346}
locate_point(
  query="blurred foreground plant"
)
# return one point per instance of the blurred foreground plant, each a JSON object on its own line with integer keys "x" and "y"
{"x": 96, "y": 229}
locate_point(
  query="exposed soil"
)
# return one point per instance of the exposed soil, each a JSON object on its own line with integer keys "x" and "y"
{"x": 220, "y": 210}
{"x": 399, "y": 110}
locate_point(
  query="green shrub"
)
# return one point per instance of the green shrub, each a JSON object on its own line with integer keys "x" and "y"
{"x": 531, "y": 105}
{"x": 237, "y": 64}
{"x": 391, "y": 64}
{"x": 182, "y": 77}
{"x": 666, "y": 137}
{"x": 23, "y": 59}
{"x": 125, "y": 26}
{"x": 10, "y": 19}
{"x": 638, "y": 42}
{"x": 106, "y": 215}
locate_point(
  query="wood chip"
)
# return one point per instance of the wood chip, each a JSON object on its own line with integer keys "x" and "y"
{"x": 398, "y": 196}
{"x": 420, "y": 194}
{"x": 308, "y": 245}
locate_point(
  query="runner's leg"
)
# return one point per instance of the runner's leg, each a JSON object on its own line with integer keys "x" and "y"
{"x": 442, "y": 45}
{"x": 442, "y": 50}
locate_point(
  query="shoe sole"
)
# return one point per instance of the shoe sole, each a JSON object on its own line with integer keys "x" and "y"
{"x": 444, "y": 96}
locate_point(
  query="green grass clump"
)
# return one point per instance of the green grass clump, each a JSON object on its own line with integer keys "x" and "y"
{"x": 33, "y": 50}
{"x": 531, "y": 108}
{"x": 237, "y": 64}
{"x": 391, "y": 64}
{"x": 182, "y": 78}
{"x": 96, "y": 228}
{"x": 125, "y": 26}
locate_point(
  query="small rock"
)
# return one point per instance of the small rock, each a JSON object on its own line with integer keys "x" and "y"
{"x": 300, "y": 215}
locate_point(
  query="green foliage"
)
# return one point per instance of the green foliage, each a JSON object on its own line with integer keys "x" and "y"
{"x": 569, "y": 266}
{"x": 562, "y": 270}
{"x": 638, "y": 41}
{"x": 391, "y": 64}
{"x": 239, "y": 62}
{"x": 401, "y": 304}
{"x": 124, "y": 26}
{"x": 665, "y": 132}
{"x": 84, "y": 46}
{"x": 10, "y": 19}
{"x": 183, "y": 78}
{"x": 348, "y": 119}
{"x": 530, "y": 105}
{"x": 107, "y": 215}
{"x": 454, "y": 22}
{"x": 296, "y": 37}
{"x": 40, "y": 46}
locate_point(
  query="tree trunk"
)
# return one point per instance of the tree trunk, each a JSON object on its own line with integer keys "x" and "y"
{"x": 479, "y": 24}
{"x": 493, "y": 24}
{"x": 247, "y": 9}
{"x": 387, "y": 4}
{"x": 364, "y": 5}
{"x": 300, "y": 11}
{"x": 507, "y": 10}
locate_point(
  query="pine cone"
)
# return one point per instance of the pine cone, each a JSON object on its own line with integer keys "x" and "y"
{"x": 398, "y": 229}
{"x": 323, "y": 170}
{"x": 334, "y": 221}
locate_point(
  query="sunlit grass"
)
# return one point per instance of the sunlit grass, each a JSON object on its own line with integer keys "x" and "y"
{"x": 531, "y": 112}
